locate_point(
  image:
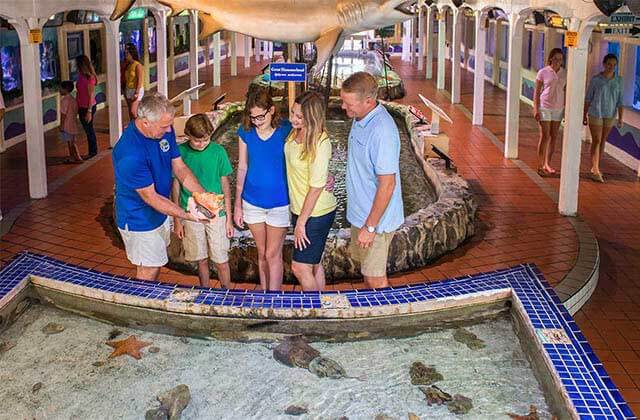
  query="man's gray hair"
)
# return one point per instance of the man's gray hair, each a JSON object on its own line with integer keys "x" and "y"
{"x": 153, "y": 106}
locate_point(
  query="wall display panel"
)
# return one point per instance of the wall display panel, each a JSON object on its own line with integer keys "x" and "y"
{"x": 75, "y": 48}
{"x": 49, "y": 60}
{"x": 11, "y": 65}
{"x": 180, "y": 35}
{"x": 131, "y": 31}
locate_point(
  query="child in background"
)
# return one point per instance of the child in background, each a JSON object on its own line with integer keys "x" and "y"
{"x": 211, "y": 166}
{"x": 69, "y": 121}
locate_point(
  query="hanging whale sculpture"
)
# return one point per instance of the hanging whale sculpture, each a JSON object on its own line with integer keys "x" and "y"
{"x": 325, "y": 22}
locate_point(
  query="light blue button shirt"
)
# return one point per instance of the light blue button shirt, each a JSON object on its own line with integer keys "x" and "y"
{"x": 374, "y": 149}
{"x": 604, "y": 96}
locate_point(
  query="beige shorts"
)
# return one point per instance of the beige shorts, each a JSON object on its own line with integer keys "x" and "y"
{"x": 607, "y": 122}
{"x": 148, "y": 249}
{"x": 206, "y": 240}
{"x": 373, "y": 260}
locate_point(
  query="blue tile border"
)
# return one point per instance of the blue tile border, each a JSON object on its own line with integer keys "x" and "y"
{"x": 577, "y": 368}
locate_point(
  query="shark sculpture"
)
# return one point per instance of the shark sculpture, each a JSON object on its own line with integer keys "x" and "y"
{"x": 325, "y": 22}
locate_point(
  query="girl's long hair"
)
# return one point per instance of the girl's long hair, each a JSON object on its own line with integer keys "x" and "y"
{"x": 259, "y": 98}
{"x": 314, "y": 117}
{"x": 85, "y": 67}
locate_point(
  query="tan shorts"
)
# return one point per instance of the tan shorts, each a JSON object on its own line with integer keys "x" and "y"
{"x": 373, "y": 260}
{"x": 206, "y": 240}
{"x": 602, "y": 121}
{"x": 148, "y": 249}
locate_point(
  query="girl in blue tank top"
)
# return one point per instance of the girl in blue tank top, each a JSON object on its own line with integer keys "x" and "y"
{"x": 262, "y": 196}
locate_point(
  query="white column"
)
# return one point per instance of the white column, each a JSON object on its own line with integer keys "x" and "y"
{"x": 406, "y": 42}
{"x": 514, "y": 85}
{"x": 113, "y": 79}
{"x": 442, "y": 31}
{"x": 465, "y": 42}
{"x": 421, "y": 38}
{"x": 256, "y": 49}
{"x": 455, "y": 55}
{"x": 478, "y": 72}
{"x": 30, "y": 61}
{"x": 247, "y": 51}
{"x": 571, "y": 144}
{"x": 429, "y": 44}
{"x": 234, "y": 54}
{"x": 627, "y": 69}
{"x": 496, "y": 53}
{"x": 161, "y": 41}
{"x": 193, "y": 51}
{"x": 216, "y": 59}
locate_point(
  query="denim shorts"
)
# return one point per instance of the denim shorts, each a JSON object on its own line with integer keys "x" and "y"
{"x": 317, "y": 231}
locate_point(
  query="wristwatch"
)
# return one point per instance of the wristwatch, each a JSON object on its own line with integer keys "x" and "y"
{"x": 370, "y": 229}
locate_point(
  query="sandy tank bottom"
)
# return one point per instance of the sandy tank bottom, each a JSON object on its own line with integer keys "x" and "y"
{"x": 229, "y": 380}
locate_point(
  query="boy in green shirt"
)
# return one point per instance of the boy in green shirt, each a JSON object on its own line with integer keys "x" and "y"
{"x": 210, "y": 164}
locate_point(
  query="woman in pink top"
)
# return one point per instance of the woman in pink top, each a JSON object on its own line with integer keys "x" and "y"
{"x": 548, "y": 108}
{"x": 86, "y": 84}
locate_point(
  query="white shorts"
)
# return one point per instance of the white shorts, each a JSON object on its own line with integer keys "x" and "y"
{"x": 148, "y": 249}
{"x": 551, "y": 114}
{"x": 130, "y": 93}
{"x": 206, "y": 240}
{"x": 276, "y": 217}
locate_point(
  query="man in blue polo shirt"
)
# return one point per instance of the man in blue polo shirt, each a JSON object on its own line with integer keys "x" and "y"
{"x": 374, "y": 199}
{"x": 145, "y": 160}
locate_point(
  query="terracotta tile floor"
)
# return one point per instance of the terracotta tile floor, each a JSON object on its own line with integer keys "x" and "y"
{"x": 517, "y": 221}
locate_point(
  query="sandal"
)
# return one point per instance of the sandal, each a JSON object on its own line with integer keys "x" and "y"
{"x": 542, "y": 172}
{"x": 597, "y": 178}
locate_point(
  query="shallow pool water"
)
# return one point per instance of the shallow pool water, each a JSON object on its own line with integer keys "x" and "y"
{"x": 417, "y": 193}
{"x": 231, "y": 380}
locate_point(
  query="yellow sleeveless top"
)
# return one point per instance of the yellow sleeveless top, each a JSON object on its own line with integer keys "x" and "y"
{"x": 130, "y": 78}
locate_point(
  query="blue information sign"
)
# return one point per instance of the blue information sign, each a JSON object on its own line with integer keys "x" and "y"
{"x": 288, "y": 72}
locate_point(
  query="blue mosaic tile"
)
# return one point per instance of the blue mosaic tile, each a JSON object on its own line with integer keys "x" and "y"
{"x": 586, "y": 382}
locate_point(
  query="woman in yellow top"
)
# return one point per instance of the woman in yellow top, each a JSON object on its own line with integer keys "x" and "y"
{"x": 133, "y": 80}
{"x": 307, "y": 153}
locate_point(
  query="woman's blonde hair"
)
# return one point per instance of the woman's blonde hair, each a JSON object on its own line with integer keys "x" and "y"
{"x": 198, "y": 126}
{"x": 314, "y": 117}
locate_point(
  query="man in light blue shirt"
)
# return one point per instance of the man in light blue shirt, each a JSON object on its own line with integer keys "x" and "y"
{"x": 374, "y": 198}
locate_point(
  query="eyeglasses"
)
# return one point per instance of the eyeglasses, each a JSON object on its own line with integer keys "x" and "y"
{"x": 258, "y": 118}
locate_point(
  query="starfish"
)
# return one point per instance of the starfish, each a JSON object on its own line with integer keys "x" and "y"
{"x": 131, "y": 346}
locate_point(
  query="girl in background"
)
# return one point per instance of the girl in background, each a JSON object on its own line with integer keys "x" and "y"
{"x": 86, "y": 84}
{"x": 603, "y": 99}
{"x": 548, "y": 108}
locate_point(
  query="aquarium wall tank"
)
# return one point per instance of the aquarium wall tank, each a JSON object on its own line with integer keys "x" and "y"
{"x": 10, "y": 63}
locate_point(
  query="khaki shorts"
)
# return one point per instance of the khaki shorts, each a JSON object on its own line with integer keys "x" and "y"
{"x": 373, "y": 260}
{"x": 206, "y": 240}
{"x": 148, "y": 249}
{"x": 602, "y": 121}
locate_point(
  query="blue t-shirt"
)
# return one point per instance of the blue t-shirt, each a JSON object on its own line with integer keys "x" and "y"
{"x": 374, "y": 149}
{"x": 138, "y": 162}
{"x": 265, "y": 185}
